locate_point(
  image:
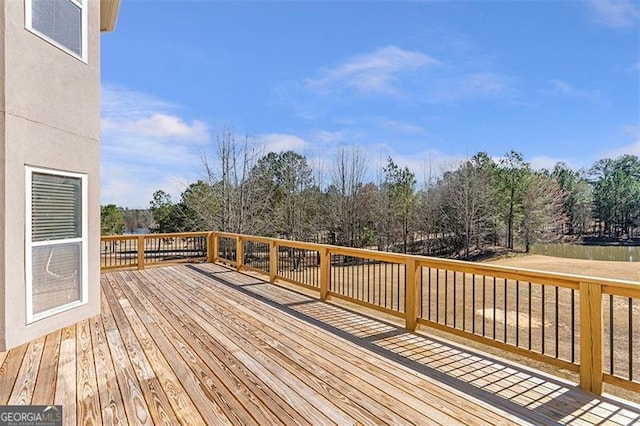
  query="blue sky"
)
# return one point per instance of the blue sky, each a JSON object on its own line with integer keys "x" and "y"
{"x": 428, "y": 83}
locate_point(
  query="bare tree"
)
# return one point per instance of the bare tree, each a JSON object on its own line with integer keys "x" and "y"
{"x": 227, "y": 178}
{"x": 347, "y": 180}
{"x": 468, "y": 203}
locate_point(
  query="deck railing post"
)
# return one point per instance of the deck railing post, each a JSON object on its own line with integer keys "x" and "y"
{"x": 591, "y": 337}
{"x": 411, "y": 295}
{"x": 325, "y": 273}
{"x": 239, "y": 253}
{"x": 140, "y": 252}
{"x": 211, "y": 247}
{"x": 216, "y": 246}
{"x": 273, "y": 260}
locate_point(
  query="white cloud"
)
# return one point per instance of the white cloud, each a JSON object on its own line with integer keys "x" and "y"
{"x": 160, "y": 126}
{"x": 328, "y": 137}
{"x": 371, "y": 73}
{"x": 543, "y": 162}
{"x": 632, "y": 148}
{"x": 427, "y": 164}
{"x": 403, "y": 127}
{"x": 633, "y": 131}
{"x": 146, "y": 145}
{"x": 614, "y": 13}
{"x": 563, "y": 88}
{"x": 277, "y": 142}
{"x": 118, "y": 103}
{"x": 475, "y": 85}
{"x": 117, "y": 187}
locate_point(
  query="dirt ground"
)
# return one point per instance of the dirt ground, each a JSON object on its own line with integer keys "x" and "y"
{"x": 540, "y": 316}
{"x": 596, "y": 268}
{"x": 629, "y": 271}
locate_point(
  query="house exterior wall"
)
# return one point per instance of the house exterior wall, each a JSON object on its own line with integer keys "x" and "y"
{"x": 2, "y": 183}
{"x": 50, "y": 118}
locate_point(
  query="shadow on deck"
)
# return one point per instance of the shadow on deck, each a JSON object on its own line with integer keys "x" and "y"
{"x": 203, "y": 344}
{"x": 525, "y": 393}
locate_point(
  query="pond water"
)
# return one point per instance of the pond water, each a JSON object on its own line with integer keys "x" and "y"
{"x": 574, "y": 251}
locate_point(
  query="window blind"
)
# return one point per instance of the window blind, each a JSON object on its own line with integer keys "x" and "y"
{"x": 60, "y": 20}
{"x": 56, "y": 207}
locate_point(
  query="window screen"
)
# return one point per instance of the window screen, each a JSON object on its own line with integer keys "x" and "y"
{"x": 56, "y": 275}
{"x": 56, "y": 254}
{"x": 61, "y": 21}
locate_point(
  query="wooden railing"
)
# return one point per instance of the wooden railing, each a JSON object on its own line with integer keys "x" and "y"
{"x": 141, "y": 251}
{"x": 582, "y": 324}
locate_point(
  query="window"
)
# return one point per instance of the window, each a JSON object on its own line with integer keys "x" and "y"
{"x": 56, "y": 249}
{"x": 62, "y": 23}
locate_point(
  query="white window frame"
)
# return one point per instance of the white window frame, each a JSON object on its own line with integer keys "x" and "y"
{"x": 29, "y": 244}
{"x": 84, "y": 6}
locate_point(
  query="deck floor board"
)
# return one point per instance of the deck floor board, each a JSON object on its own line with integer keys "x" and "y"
{"x": 301, "y": 362}
{"x": 268, "y": 372}
{"x": 247, "y": 399}
{"x": 24, "y": 386}
{"x": 332, "y": 354}
{"x": 45, "y": 388}
{"x": 203, "y": 344}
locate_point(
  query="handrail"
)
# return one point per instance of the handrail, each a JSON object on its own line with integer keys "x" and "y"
{"x": 134, "y": 251}
{"x": 147, "y": 236}
{"x": 570, "y": 280}
{"x": 440, "y": 293}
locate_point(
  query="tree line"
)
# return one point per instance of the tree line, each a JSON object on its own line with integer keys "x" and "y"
{"x": 476, "y": 204}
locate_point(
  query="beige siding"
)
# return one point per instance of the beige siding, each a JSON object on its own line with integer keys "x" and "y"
{"x": 51, "y": 108}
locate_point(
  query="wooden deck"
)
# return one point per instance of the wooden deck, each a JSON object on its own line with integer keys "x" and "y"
{"x": 200, "y": 344}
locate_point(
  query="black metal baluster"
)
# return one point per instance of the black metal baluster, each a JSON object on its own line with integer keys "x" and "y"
{"x": 464, "y": 301}
{"x": 385, "y": 286}
{"x": 455, "y": 284}
{"x": 379, "y": 284}
{"x": 352, "y": 278}
{"x": 484, "y": 279}
{"x": 473, "y": 304}
{"x": 446, "y": 294}
{"x": 505, "y": 311}
{"x": 573, "y": 326}
{"x": 494, "y": 307}
{"x": 542, "y": 288}
{"x": 369, "y": 283}
{"x": 398, "y": 289}
{"x": 437, "y": 295}
{"x": 421, "y": 292}
{"x": 630, "y": 338}
{"x": 557, "y": 321}
{"x": 529, "y": 303}
{"x": 357, "y": 283}
{"x": 517, "y": 312}
{"x": 342, "y": 276}
{"x": 611, "y": 334}
{"x": 429, "y": 294}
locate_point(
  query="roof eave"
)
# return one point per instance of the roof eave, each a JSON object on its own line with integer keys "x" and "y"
{"x": 108, "y": 14}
